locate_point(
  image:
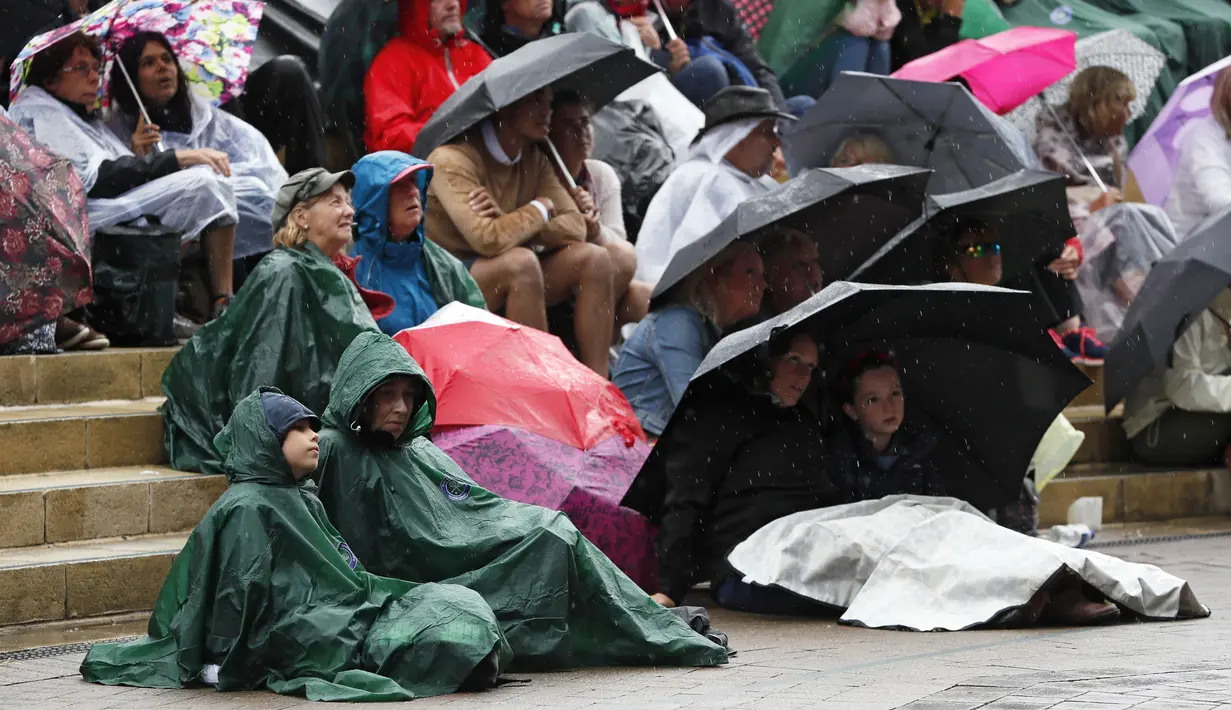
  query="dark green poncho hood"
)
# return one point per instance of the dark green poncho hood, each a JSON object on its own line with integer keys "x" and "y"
{"x": 268, "y": 590}
{"x": 409, "y": 512}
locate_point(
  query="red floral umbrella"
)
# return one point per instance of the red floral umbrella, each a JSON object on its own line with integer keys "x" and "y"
{"x": 44, "y": 235}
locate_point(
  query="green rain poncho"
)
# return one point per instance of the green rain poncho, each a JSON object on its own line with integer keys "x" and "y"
{"x": 266, "y": 589}
{"x": 408, "y": 511}
{"x": 287, "y": 328}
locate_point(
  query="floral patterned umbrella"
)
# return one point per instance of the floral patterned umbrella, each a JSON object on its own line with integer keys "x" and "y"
{"x": 44, "y": 240}
{"x": 212, "y": 38}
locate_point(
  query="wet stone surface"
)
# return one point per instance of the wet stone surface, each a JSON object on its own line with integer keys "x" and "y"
{"x": 785, "y": 664}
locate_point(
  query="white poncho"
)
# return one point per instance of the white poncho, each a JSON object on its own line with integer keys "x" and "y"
{"x": 698, "y": 195}
{"x": 256, "y": 173}
{"x": 188, "y": 200}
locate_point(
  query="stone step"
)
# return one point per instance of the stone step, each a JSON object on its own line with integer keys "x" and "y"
{"x": 42, "y": 508}
{"x": 1092, "y": 395}
{"x": 69, "y": 437}
{"x": 1133, "y": 493}
{"x": 1105, "y": 440}
{"x": 84, "y": 579}
{"x": 69, "y": 378}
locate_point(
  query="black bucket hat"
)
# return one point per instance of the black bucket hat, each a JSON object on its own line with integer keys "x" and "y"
{"x": 735, "y": 103}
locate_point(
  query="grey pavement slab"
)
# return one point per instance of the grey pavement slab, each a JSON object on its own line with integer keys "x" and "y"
{"x": 791, "y": 663}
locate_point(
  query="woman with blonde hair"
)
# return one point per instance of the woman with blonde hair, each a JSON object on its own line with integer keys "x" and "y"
{"x": 861, "y": 149}
{"x": 1201, "y": 185}
{"x": 683, "y": 325}
{"x": 1082, "y": 139}
{"x": 287, "y": 327}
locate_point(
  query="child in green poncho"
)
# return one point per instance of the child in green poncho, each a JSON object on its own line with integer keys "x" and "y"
{"x": 267, "y": 594}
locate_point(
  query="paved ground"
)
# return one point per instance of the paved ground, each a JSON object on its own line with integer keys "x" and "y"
{"x": 785, "y": 664}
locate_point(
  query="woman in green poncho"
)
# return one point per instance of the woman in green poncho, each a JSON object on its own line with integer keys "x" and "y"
{"x": 408, "y": 511}
{"x": 286, "y": 328}
{"x": 266, "y": 593}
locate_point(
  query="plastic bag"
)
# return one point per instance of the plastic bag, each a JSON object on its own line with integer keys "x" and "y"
{"x": 629, "y": 137}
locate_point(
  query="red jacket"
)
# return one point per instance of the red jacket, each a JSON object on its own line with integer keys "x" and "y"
{"x": 410, "y": 78}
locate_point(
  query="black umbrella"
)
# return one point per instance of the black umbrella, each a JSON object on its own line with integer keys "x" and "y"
{"x": 1028, "y": 209}
{"x": 976, "y": 368}
{"x": 23, "y": 19}
{"x": 924, "y": 124}
{"x": 597, "y": 69}
{"x": 850, "y": 213}
{"x": 1178, "y": 288}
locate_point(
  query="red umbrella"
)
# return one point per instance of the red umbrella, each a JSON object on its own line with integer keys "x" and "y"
{"x": 488, "y": 370}
{"x": 1002, "y": 70}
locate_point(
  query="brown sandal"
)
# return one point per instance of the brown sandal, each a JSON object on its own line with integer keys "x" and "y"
{"x": 71, "y": 335}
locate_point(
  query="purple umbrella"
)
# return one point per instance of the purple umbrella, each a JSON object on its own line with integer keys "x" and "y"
{"x": 1154, "y": 159}
{"x": 585, "y": 485}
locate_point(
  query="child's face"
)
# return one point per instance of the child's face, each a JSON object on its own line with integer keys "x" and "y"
{"x": 879, "y": 405}
{"x": 301, "y": 449}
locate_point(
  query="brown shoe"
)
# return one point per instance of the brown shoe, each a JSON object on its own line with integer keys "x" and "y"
{"x": 71, "y": 335}
{"x": 1067, "y": 606}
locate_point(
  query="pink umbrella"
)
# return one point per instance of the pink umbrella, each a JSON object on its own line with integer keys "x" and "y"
{"x": 1002, "y": 70}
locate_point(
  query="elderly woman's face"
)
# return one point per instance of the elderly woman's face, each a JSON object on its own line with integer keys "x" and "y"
{"x": 390, "y": 407}
{"x": 328, "y": 221}
{"x": 78, "y": 79}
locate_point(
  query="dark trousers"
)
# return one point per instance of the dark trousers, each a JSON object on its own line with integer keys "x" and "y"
{"x": 737, "y": 595}
{"x": 281, "y": 102}
{"x": 1183, "y": 438}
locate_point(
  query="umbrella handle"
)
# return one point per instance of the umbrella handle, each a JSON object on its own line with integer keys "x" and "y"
{"x": 666, "y": 23}
{"x": 1093, "y": 173}
{"x": 136, "y": 97}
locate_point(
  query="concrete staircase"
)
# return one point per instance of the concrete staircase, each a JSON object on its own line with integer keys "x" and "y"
{"x": 1132, "y": 493}
{"x": 89, "y": 520}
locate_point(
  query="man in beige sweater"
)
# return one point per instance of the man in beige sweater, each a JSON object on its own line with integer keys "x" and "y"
{"x": 496, "y": 204}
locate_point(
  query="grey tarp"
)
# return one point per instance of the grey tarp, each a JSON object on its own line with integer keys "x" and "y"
{"x": 935, "y": 564}
{"x": 927, "y": 125}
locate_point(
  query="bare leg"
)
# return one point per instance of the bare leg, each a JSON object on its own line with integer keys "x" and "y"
{"x": 513, "y": 281}
{"x": 632, "y": 298}
{"x": 219, "y": 247}
{"x": 584, "y": 270}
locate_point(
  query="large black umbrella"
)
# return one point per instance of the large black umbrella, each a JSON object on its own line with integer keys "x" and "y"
{"x": 1178, "y": 288}
{"x": 596, "y": 68}
{"x": 976, "y": 368}
{"x": 1028, "y": 209}
{"x": 924, "y": 124}
{"x": 850, "y": 213}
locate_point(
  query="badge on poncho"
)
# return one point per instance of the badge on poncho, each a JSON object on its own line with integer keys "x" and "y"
{"x": 351, "y": 560}
{"x": 455, "y": 489}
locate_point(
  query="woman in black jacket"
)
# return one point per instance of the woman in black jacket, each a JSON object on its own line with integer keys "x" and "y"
{"x": 736, "y": 458}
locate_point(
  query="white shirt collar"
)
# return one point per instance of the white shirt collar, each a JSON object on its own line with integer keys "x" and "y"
{"x": 493, "y": 146}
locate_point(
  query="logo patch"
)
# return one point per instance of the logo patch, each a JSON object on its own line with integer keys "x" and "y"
{"x": 1062, "y": 15}
{"x": 351, "y": 560}
{"x": 455, "y": 489}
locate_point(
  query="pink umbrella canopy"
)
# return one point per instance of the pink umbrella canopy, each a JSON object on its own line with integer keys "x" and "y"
{"x": 1002, "y": 70}
{"x": 586, "y": 485}
{"x": 1154, "y": 160}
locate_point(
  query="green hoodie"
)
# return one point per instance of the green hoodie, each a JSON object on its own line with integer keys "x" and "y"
{"x": 408, "y": 511}
{"x": 287, "y": 328}
{"x": 266, "y": 589}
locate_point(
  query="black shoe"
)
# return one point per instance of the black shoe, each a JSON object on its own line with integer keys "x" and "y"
{"x": 484, "y": 676}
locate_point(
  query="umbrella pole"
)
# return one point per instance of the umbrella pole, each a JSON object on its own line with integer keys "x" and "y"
{"x": 555, "y": 155}
{"x": 662, "y": 14}
{"x": 136, "y": 97}
{"x": 1084, "y": 159}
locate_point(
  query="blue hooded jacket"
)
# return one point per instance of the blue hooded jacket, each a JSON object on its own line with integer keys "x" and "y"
{"x": 419, "y": 275}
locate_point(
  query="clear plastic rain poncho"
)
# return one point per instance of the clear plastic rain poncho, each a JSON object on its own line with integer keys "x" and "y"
{"x": 1121, "y": 243}
{"x": 256, "y": 173}
{"x": 189, "y": 200}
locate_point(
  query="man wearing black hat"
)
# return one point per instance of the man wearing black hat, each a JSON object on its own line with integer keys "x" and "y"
{"x": 731, "y": 160}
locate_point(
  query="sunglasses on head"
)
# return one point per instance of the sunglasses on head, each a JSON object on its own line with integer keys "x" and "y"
{"x": 980, "y": 250}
